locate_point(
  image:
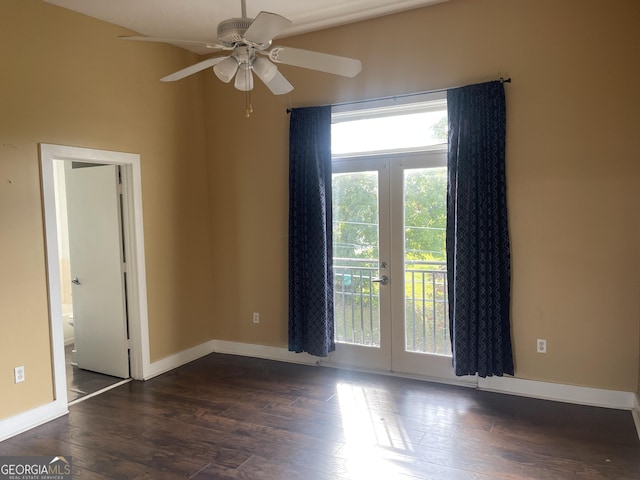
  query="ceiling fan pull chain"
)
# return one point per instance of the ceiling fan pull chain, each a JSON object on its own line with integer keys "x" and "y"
{"x": 249, "y": 74}
{"x": 247, "y": 101}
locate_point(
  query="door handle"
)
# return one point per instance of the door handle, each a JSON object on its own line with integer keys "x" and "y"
{"x": 384, "y": 280}
{"x": 75, "y": 281}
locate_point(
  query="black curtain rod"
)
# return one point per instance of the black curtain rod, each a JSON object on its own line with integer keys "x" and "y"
{"x": 355, "y": 102}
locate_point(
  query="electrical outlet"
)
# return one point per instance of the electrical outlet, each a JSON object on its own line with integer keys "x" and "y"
{"x": 256, "y": 317}
{"x": 18, "y": 374}
{"x": 541, "y": 345}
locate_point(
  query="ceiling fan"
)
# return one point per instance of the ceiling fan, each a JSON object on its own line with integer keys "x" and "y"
{"x": 249, "y": 41}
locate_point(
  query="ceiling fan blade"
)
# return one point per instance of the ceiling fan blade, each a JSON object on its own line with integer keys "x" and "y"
{"x": 323, "y": 62}
{"x": 266, "y": 26}
{"x": 185, "y": 72}
{"x": 279, "y": 85}
{"x": 213, "y": 46}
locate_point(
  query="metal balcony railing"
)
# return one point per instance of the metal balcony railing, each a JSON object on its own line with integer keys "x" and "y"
{"x": 426, "y": 307}
{"x": 357, "y": 302}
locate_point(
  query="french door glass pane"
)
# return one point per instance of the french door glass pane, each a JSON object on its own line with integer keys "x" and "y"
{"x": 356, "y": 258}
{"x": 426, "y": 308}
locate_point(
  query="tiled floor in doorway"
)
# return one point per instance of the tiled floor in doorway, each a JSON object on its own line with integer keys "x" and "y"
{"x": 81, "y": 383}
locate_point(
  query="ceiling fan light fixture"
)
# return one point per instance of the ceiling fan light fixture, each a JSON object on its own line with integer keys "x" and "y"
{"x": 279, "y": 85}
{"x": 265, "y": 69}
{"x": 226, "y": 69}
{"x": 244, "y": 78}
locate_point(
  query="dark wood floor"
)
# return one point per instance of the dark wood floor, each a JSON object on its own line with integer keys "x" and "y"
{"x": 81, "y": 383}
{"x": 226, "y": 417}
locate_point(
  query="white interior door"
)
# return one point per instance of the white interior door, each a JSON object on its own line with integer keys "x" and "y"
{"x": 96, "y": 258}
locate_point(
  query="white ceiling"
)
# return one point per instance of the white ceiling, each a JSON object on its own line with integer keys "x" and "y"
{"x": 198, "y": 19}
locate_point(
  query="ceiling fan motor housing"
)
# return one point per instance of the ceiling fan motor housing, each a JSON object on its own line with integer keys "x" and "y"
{"x": 231, "y": 32}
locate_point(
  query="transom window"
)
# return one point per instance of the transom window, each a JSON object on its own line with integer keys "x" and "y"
{"x": 395, "y": 128}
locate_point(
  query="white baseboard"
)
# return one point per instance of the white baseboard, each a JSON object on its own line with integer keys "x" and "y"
{"x": 636, "y": 413}
{"x": 12, "y": 426}
{"x": 283, "y": 355}
{"x": 174, "y": 361}
{"x": 558, "y": 392}
{"x": 507, "y": 385}
{"x": 263, "y": 351}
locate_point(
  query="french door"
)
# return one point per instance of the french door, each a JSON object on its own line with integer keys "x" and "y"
{"x": 390, "y": 291}
{"x": 361, "y": 263}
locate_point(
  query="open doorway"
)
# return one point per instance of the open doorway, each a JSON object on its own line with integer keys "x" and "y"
{"x": 121, "y": 171}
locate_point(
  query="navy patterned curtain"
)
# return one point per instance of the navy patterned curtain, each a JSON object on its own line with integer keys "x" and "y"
{"x": 478, "y": 253}
{"x": 311, "y": 322}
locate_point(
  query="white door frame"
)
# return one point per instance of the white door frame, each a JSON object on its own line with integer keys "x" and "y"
{"x": 134, "y": 244}
{"x": 427, "y": 365}
{"x": 366, "y": 357}
{"x": 438, "y": 368}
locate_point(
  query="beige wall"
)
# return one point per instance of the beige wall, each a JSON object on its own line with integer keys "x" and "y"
{"x": 573, "y": 169}
{"x": 215, "y": 183}
{"x": 66, "y": 79}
